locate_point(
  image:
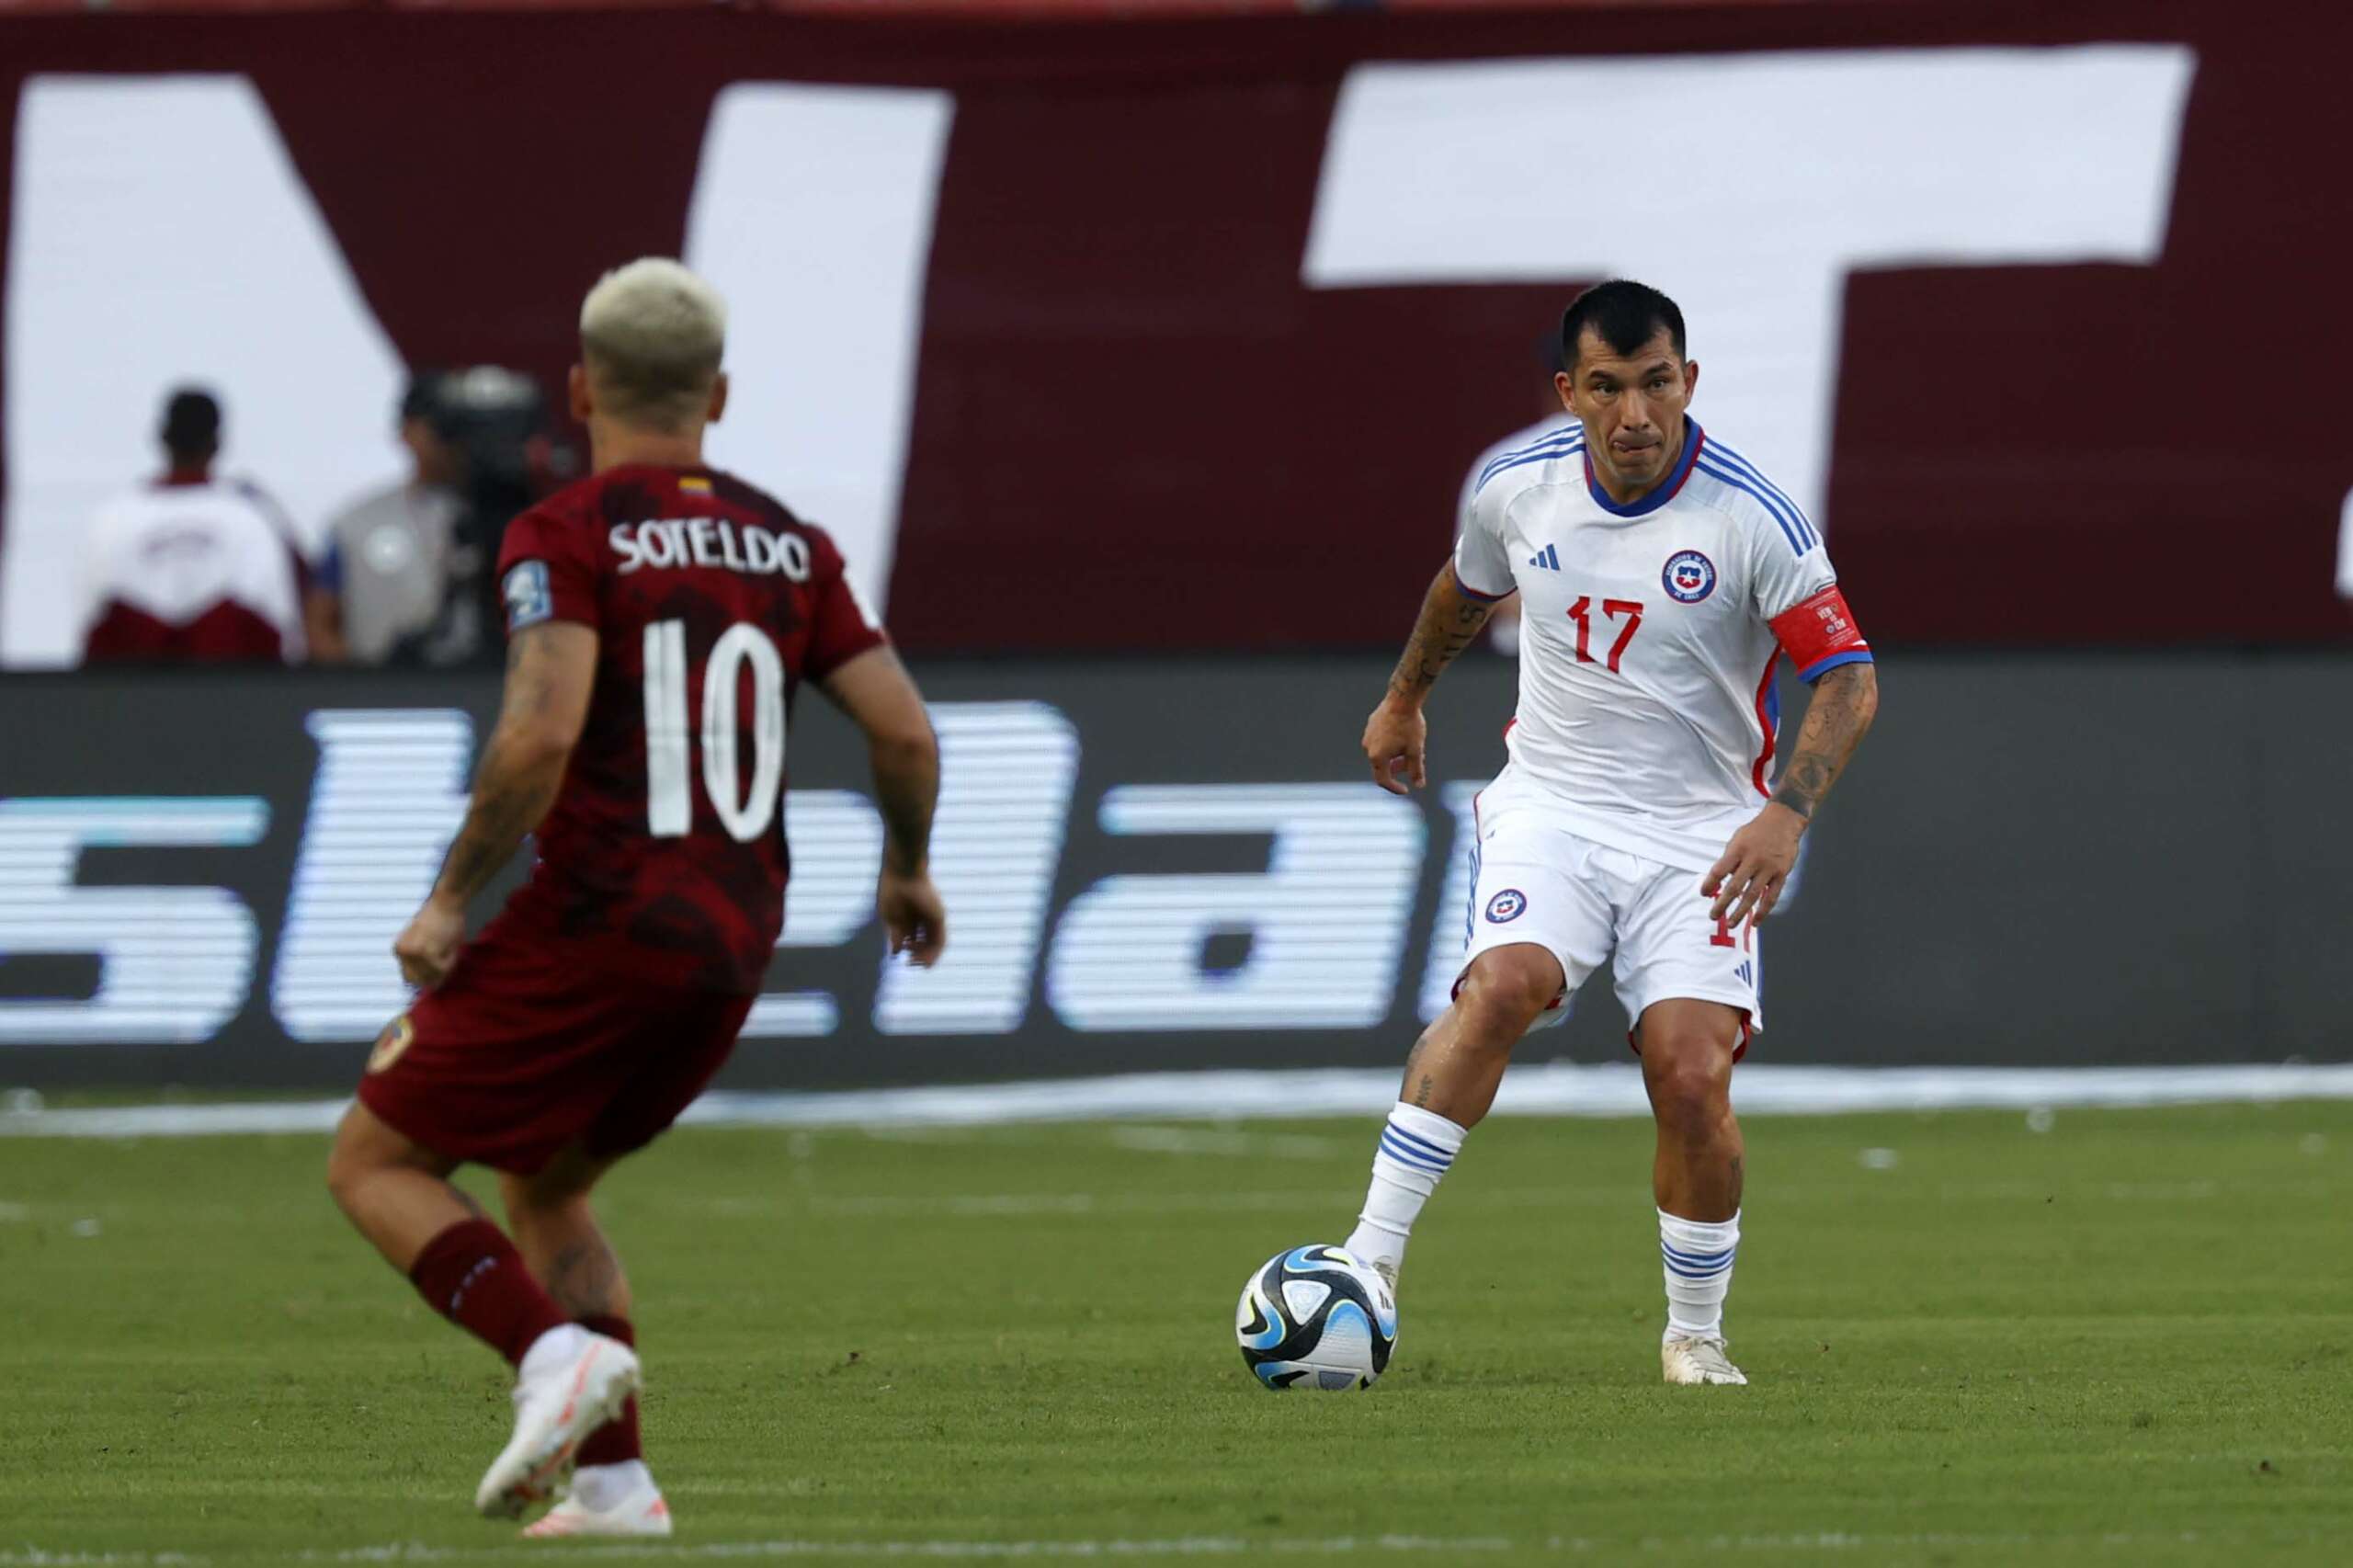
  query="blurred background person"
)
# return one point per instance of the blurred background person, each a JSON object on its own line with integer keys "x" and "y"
{"x": 384, "y": 573}
{"x": 189, "y": 569}
{"x": 492, "y": 424}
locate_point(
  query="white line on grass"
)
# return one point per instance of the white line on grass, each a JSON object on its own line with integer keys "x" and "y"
{"x": 1183, "y": 1546}
{"x": 1556, "y": 1088}
{"x": 1223, "y": 1143}
{"x": 1678, "y": 1547}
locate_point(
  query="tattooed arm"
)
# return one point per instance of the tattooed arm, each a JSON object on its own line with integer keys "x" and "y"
{"x": 877, "y": 692}
{"x": 1397, "y": 737}
{"x": 1845, "y": 701}
{"x": 550, "y": 671}
{"x": 1757, "y": 861}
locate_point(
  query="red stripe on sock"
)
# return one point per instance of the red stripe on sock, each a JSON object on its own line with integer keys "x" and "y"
{"x": 617, "y": 1441}
{"x": 472, "y": 1275}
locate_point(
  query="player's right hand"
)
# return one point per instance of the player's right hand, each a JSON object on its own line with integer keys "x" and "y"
{"x": 1396, "y": 741}
{"x": 429, "y": 946}
{"x": 912, "y": 915}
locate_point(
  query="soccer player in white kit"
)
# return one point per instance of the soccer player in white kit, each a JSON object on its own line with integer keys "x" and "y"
{"x": 1661, "y": 578}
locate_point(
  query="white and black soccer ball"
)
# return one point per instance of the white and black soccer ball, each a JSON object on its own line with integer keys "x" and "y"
{"x": 1316, "y": 1317}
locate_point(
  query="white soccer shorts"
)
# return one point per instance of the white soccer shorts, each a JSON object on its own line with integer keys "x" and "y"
{"x": 1533, "y": 881}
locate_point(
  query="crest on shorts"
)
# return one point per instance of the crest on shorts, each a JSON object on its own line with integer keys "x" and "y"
{"x": 395, "y": 1040}
{"x": 1689, "y": 577}
{"x": 1508, "y": 904}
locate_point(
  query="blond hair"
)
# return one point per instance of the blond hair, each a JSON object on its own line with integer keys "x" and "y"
{"x": 652, "y": 334}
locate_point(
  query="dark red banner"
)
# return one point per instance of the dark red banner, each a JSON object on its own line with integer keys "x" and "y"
{"x": 2041, "y": 311}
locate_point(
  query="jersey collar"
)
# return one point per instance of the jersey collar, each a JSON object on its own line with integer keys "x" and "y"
{"x": 1693, "y": 438}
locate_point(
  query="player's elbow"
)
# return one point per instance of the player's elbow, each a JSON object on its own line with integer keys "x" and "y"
{"x": 905, "y": 748}
{"x": 536, "y": 747}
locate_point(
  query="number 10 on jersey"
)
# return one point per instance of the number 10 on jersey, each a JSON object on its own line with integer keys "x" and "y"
{"x": 669, "y": 802}
{"x": 1581, "y": 613}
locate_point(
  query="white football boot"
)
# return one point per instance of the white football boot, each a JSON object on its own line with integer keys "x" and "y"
{"x": 570, "y": 1382}
{"x": 1701, "y": 1360}
{"x": 638, "y": 1511}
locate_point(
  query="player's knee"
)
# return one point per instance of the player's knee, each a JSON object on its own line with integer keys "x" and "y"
{"x": 347, "y": 1170}
{"x": 1690, "y": 1101}
{"x": 365, "y": 1148}
{"x": 1505, "y": 992}
{"x": 1690, "y": 1082}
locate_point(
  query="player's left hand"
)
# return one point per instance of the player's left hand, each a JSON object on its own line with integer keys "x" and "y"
{"x": 430, "y": 944}
{"x": 1746, "y": 880}
{"x": 913, "y": 915}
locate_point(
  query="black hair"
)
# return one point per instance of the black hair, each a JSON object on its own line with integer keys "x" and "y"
{"x": 1626, "y": 314}
{"x": 423, "y": 397}
{"x": 191, "y": 423}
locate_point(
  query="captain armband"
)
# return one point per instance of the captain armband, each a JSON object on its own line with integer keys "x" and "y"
{"x": 1819, "y": 634}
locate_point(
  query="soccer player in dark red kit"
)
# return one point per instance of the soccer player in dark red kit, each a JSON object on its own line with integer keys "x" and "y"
{"x": 661, "y": 617}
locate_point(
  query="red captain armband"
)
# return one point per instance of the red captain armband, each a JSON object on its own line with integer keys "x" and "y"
{"x": 1819, "y": 634}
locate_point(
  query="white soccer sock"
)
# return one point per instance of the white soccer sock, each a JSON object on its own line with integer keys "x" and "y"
{"x": 1416, "y": 1148}
{"x": 603, "y": 1486}
{"x": 1697, "y": 1256}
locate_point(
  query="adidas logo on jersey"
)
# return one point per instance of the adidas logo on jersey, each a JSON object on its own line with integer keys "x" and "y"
{"x": 1548, "y": 558}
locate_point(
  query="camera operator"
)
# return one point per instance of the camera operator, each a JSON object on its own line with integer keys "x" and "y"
{"x": 385, "y": 573}
{"x": 493, "y": 422}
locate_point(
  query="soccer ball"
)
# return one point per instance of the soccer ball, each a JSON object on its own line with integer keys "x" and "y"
{"x": 1316, "y": 1317}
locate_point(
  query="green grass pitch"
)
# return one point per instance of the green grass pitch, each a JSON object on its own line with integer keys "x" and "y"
{"x": 2125, "y": 1339}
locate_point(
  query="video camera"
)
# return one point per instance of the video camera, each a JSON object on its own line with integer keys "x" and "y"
{"x": 493, "y": 422}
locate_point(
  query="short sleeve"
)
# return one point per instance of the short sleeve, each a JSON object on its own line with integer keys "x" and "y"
{"x": 1798, "y": 594}
{"x": 1795, "y": 590}
{"x": 283, "y": 590}
{"x": 842, "y": 624}
{"x": 269, "y": 581}
{"x": 1481, "y": 568}
{"x": 547, "y": 571}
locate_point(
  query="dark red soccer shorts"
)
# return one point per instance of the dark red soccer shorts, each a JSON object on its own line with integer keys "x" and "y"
{"x": 526, "y": 1049}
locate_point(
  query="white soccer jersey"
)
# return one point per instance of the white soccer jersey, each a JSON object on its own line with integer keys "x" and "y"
{"x": 189, "y": 571}
{"x": 1650, "y": 635}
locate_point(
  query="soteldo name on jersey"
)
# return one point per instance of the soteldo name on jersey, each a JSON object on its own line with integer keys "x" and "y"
{"x": 709, "y": 541}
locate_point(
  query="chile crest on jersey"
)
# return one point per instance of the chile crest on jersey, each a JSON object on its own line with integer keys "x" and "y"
{"x": 1689, "y": 577}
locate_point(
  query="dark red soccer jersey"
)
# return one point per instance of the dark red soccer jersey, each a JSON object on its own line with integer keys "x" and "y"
{"x": 664, "y": 857}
